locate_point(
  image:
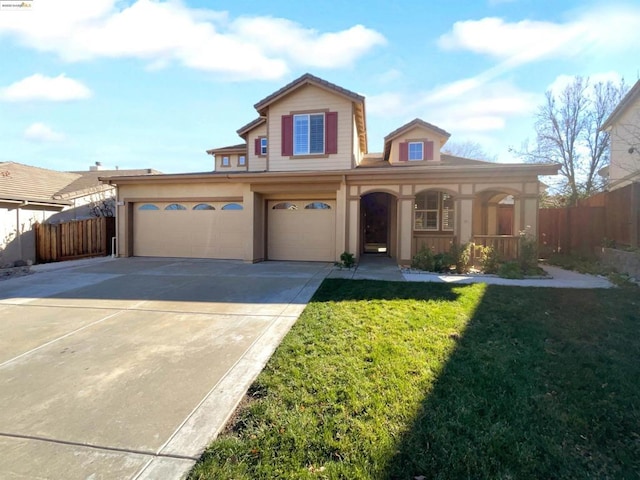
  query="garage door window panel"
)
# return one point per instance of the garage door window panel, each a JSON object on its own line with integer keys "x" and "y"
{"x": 148, "y": 206}
{"x": 204, "y": 206}
{"x": 285, "y": 206}
{"x": 232, "y": 206}
{"x": 317, "y": 206}
{"x": 175, "y": 206}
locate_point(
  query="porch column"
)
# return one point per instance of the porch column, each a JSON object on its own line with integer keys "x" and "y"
{"x": 353, "y": 221}
{"x": 529, "y": 213}
{"x": 465, "y": 214}
{"x": 341, "y": 221}
{"x": 405, "y": 229}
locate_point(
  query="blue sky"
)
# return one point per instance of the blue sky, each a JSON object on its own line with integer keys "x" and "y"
{"x": 150, "y": 84}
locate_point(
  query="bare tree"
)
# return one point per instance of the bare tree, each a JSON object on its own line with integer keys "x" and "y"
{"x": 568, "y": 132}
{"x": 468, "y": 149}
{"x": 102, "y": 204}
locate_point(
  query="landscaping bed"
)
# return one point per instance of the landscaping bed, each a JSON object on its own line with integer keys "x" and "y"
{"x": 401, "y": 380}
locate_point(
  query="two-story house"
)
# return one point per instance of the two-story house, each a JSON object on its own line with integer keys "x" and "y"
{"x": 303, "y": 186}
{"x": 623, "y": 126}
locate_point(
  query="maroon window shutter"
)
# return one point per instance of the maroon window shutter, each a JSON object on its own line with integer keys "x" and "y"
{"x": 287, "y": 135}
{"x": 404, "y": 152}
{"x": 428, "y": 150}
{"x": 331, "y": 132}
{"x": 257, "y": 147}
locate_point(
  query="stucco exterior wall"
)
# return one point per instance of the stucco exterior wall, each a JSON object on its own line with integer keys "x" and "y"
{"x": 17, "y": 238}
{"x": 625, "y": 134}
{"x": 257, "y": 163}
{"x": 418, "y": 134}
{"x": 234, "y": 166}
{"x": 308, "y": 99}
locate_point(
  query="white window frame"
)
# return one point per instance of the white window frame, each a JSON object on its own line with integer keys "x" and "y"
{"x": 421, "y": 144}
{"x": 225, "y": 162}
{"x": 242, "y": 160}
{"x": 296, "y": 148}
{"x": 439, "y": 213}
{"x": 263, "y": 145}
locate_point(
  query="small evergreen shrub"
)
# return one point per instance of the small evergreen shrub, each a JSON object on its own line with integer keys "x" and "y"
{"x": 423, "y": 260}
{"x": 461, "y": 257}
{"x": 490, "y": 260}
{"x": 510, "y": 270}
{"x": 347, "y": 259}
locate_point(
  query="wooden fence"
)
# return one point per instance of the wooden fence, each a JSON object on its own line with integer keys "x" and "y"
{"x": 71, "y": 240}
{"x": 605, "y": 218}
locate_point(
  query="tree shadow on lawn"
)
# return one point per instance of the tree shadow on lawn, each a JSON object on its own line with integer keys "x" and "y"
{"x": 543, "y": 383}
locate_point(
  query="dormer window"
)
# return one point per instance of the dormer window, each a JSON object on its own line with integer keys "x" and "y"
{"x": 242, "y": 161}
{"x": 416, "y": 151}
{"x": 225, "y": 161}
{"x": 308, "y": 134}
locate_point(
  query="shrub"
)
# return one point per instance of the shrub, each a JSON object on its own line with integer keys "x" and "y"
{"x": 511, "y": 270}
{"x": 423, "y": 260}
{"x": 347, "y": 260}
{"x": 461, "y": 257}
{"x": 489, "y": 260}
{"x": 528, "y": 253}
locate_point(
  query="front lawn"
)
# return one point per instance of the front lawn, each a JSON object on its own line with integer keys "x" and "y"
{"x": 391, "y": 380}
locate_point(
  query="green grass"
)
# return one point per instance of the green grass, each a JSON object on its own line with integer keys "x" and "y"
{"x": 385, "y": 380}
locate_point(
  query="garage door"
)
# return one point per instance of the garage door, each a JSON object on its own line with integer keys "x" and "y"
{"x": 189, "y": 229}
{"x": 301, "y": 230}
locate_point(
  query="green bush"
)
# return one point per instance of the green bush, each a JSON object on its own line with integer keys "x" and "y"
{"x": 461, "y": 257}
{"x": 528, "y": 254}
{"x": 510, "y": 270}
{"x": 490, "y": 260}
{"x": 347, "y": 259}
{"x": 423, "y": 260}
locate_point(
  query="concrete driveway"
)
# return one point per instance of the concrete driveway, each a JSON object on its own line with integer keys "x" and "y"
{"x": 127, "y": 368}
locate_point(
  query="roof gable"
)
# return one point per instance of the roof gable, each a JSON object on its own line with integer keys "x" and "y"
{"x": 307, "y": 79}
{"x": 629, "y": 99}
{"x": 415, "y": 123}
{"x": 242, "y": 131}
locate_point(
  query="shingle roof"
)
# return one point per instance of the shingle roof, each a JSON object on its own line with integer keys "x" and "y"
{"x": 416, "y": 122}
{"x": 24, "y": 182}
{"x": 229, "y": 149}
{"x": 252, "y": 124}
{"x": 90, "y": 180}
{"x": 28, "y": 183}
{"x": 303, "y": 80}
{"x": 625, "y": 103}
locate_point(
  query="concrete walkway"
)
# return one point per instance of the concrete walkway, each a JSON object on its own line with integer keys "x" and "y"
{"x": 384, "y": 268}
{"x": 128, "y": 368}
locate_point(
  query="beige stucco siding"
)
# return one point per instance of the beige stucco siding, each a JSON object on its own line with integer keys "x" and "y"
{"x": 256, "y": 163}
{"x": 309, "y": 99}
{"x": 415, "y": 134}
{"x": 624, "y": 135}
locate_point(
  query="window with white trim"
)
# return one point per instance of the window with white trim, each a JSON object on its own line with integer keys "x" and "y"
{"x": 416, "y": 151}
{"x": 263, "y": 145}
{"x": 434, "y": 211}
{"x": 308, "y": 134}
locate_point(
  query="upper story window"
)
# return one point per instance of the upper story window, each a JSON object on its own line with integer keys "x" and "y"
{"x": 308, "y": 134}
{"x": 242, "y": 161}
{"x": 263, "y": 145}
{"x": 225, "y": 161}
{"x": 416, "y": 151}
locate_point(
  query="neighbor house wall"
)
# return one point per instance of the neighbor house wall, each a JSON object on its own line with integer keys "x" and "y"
{"x": 310, "y": 99}
{"x": 17, "y": 236}
{"x": 625, "y": 134}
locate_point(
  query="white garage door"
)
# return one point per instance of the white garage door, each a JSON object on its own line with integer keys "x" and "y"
{"x": 301, "y": 230}
{"x": 189, "y": 229}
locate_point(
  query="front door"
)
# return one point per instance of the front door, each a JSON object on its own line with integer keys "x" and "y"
{"x": 375, "y": 222}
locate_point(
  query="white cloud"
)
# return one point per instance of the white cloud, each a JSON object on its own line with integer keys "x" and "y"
{"x": 41, "y": 87}
{"x": 162, "y": 33}
{"x": 39, "y": 132}
{"x": 601, "y": 30}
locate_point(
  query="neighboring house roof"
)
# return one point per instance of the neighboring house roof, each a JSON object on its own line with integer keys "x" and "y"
{"x": 416, "y": 122}
{"x": 90, "y": 181}
{"x": 251, "y": 125}
{"x": 239, "y": 148}
{"x": 25, "y": 183}
{"x": 625, "y": 103}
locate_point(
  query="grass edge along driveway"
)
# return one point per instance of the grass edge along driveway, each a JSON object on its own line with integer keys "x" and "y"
{"x": 400, "y": 380}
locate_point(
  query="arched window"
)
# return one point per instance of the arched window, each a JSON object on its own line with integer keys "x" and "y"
{"x": 285, "y": 206}
{"x": 203, "y": 206}
{"x": 148, "y": 206}
{"x": 232, "y": 206}
{"x": 317, "y": 206}
{"x": 434, "y": 211}
{"x": 175, "y": 206}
